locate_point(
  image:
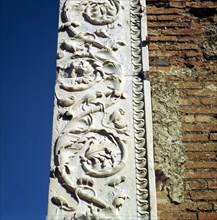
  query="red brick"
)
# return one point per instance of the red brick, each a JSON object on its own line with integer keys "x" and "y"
{"x": 156, "y": 69}
{"x": 153, "y": 46}
{"x": 154, "y": 32}
{"x": 199, "y": 118}
{"x": 166, "y": 24}
{"x": 198, "y": 101}
{"x": 177, "y": 4}
{"x": 152, "y": 18}
{"x": 204, "y": 195}
{"x": 201, "y": 155}
{"x": 168, "y": 17}
{"x": 202, "y": 92}
{"x": 203, "y": 206}
{"x": 193, "y": 54}
{"x": 196, "y": 184}
{"x": 213, "y": 136}
{"x": 190, "y": 85}
{"x": 162, "y": 53}
{"x": 207, "y": 216}
{"x": 177, "y": 216}
{"x": 200, "y": 147}
{"x": 196, "y": 165}
{"x": 170, "y": 207}
{"x": 195, "y": 137}
{"x": 182, "y": 32}
{"x": 212, "y": 185}
{"x": 198, "y": 110}
{"x": 208, "y": 101}
{"x": 155, "y": 11}
{"x": 190, "y": 101}
{"x": 189, "y": 206}
{"x": 205, "y": 4}
{"x": 181, "y": 46}
{"x": 163, "y": 39}
{"x": 190, "y": 39}
{"x": 200, "y": 175}
{"x": 205, "y": 118}
{"x": 199, "y": 127}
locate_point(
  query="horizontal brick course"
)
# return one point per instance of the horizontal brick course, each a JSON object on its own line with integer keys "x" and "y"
{"x": 191, "y": 206}
{"x": 190, "y": 85}
{"x": 168, "y": 17}
{"x": 199, "y": 110}
{"x": 202, "y": 92}
{"x": 192, "y": 53}
{"x": 196, "y": 184}
{"x": 182, "y": 46}
{"x": 153, "y": 46}
{"x": 205, "y": 4}
{"x": 195, "y": 137}
{"x": 193, "y": 165}
{"x": 201, "y": 156}
{"x": 200, "y": 174}
{"x": 198, "y": 101}
{"x": 199, "y": 127}
{"x": 190, "y": 101}
{"x": 205, "y": 195}
{"x": 166, "y": 11}
{"x": 200, "y": 147}
{"x": 189, "y": 39}
{"x": 179, "y": 4}
{"x": 209, "y": 101}
{"x": 163, "y": 39}
{"x": 199, "y": 118}
{"x": 164, "y": 54}
{"x": 166, "y": 24}
{"x": 177, "y": 216}
{"x": 182, "y": 32}
{"x": 212, "y": 185}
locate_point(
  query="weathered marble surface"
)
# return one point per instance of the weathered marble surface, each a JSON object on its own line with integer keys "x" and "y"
{"x": 100, "y": 147}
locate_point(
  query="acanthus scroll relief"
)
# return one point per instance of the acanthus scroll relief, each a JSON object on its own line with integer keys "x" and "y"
{"x": 92, "y": 151}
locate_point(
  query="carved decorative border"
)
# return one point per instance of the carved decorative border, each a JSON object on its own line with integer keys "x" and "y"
{"x": 72, "y": 58}
{"x": 139, "y": 115}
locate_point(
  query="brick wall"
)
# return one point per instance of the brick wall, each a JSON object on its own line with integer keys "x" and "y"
{"x": 183, "y": 50}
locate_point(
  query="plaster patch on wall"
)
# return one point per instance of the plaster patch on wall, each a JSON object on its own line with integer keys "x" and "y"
{"x": 169, "y": 150}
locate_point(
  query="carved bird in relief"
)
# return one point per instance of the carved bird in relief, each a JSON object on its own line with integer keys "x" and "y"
{"x": 119, "y": 200}
{"x": 67, "y": 102}
{"x": 116, "y": 181}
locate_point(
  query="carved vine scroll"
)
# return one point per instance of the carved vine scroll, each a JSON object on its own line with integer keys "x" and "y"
{"x": 98, "y": 163}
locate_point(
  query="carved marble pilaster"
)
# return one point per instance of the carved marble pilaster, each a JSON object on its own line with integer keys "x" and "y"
{"x": 102, "y": 159}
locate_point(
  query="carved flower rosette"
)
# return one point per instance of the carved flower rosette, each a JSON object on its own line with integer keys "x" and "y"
{"x": 91, "y": 141}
